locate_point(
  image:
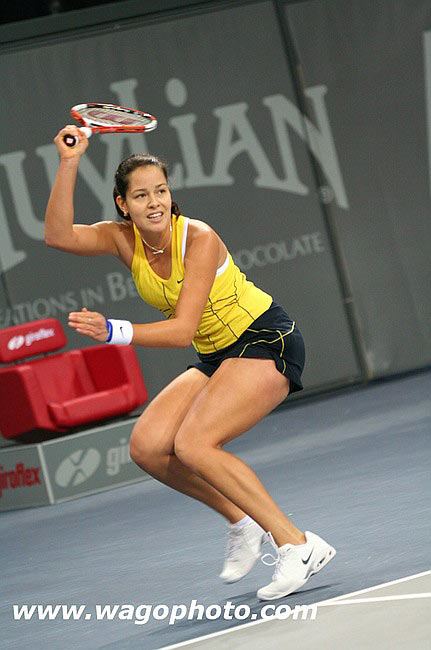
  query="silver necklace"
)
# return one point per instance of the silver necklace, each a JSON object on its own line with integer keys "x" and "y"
{"x": 154, "y": 249}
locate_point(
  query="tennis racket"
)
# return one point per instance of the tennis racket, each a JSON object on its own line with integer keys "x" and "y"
{"x": 109, "y": 118}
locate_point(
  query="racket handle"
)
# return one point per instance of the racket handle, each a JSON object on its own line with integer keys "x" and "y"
{"x": 72, "y": 141}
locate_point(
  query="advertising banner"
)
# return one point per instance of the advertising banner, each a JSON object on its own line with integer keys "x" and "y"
{"x": 23, "y": 480}
{"x": 238, "y": 148}
{"x": 374, "y": 59}
{"x": 90, "y": 462}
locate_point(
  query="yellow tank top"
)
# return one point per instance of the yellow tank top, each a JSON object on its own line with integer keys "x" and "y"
{"x": 233, "y": 304}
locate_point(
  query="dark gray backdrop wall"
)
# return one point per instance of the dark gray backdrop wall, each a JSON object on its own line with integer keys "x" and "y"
{"x": 375, "y": 59}
{"x": 240, "y": 152}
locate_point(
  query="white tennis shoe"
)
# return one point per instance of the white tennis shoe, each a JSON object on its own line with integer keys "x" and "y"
{"x": 294, "y": 565}
{"x": 243, "y": 550}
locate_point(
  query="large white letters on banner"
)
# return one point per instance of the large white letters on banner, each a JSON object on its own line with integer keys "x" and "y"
{"x": 235, "y": 135}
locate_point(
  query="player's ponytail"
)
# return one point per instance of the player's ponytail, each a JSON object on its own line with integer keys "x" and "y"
{"x": 175, "y": 209}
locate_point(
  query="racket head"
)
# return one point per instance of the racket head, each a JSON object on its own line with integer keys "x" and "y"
{"x": 110, "y": 118}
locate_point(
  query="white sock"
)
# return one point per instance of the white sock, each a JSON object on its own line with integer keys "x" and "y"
{"x": 243, "y": 522}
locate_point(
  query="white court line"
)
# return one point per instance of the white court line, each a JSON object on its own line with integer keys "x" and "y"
{"x": 183, "y": 644}
{"x": 383, "y": 584}
{"x": 377, "y": 599}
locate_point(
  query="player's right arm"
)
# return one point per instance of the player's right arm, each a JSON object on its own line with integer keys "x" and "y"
{"x": 60, "y": 231}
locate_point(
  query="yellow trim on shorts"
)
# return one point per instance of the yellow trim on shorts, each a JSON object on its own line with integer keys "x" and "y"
{"x": 280, "y": 338}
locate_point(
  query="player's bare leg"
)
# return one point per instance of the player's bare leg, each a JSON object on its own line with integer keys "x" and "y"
{"x": 152, "y": 443}
{"x": 239, "y": 394}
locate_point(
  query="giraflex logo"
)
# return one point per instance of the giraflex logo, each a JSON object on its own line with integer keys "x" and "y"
{"x": 78, "y": 467}
{"x": 20, "y": 477}
{"x": 16, "y": 342}
{"x": 82, "y": 464}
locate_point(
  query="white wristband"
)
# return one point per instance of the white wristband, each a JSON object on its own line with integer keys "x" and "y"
{"x": 120, "y": 332}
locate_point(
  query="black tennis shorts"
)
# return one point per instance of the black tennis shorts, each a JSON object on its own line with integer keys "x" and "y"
{"x": 271, "y": 336}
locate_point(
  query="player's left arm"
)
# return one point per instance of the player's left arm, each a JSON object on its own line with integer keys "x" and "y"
{"x": 200, "y": 264}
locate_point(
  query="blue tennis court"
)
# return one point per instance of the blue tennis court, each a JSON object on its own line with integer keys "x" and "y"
{"x": 352, "y": 466}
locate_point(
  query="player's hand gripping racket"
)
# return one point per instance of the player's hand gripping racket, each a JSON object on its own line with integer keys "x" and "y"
{"x": 108, "y": 118}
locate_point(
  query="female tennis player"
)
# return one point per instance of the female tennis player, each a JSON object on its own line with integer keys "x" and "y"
{"x": 251, "y": 356}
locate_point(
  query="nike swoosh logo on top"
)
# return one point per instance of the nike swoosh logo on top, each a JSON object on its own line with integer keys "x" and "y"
{"x": 308, "y": 559}
{"x": 180, "y": 280}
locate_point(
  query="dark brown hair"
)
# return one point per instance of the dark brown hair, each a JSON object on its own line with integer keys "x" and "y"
{"x": 126, "y": 167}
